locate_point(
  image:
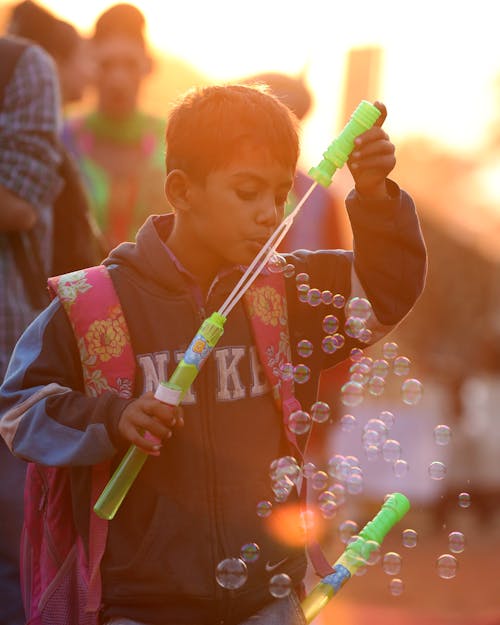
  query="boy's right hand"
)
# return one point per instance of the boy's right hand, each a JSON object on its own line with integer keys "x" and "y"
{"x": 147, "y": 416}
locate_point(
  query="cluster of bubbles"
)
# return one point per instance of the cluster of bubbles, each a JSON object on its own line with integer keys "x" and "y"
{"x": 369, "y": 376}
{"x": 343, "y": 475}
{"x": 285, "y": 473}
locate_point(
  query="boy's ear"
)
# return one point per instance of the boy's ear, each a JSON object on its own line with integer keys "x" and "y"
{"x": 177, "y": 186}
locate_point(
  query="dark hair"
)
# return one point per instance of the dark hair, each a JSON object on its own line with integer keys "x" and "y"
{"x": 31, "y": 21}
{"x": 209, "y": 124}
{"x": 121, "y": 19}
{"x": 291, "y": 90}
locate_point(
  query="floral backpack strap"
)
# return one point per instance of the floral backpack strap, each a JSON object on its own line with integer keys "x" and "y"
{"x": 94, "y": 310}
{"x": 265, "y": 303}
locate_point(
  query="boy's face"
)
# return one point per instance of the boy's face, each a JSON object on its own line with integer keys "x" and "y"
{"x": 120, "y": 67}
{"x": 232, "y": 214}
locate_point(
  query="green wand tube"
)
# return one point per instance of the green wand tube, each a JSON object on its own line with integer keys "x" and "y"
{"x": 171, "y": 393}
{"x": 363, "y": 118}
{"x": 356, "y": 554}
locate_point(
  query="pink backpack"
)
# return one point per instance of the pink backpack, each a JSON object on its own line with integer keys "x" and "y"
{"x": 60, "y": 584}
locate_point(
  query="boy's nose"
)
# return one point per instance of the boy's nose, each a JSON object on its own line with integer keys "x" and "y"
{"x": 267, "y": 214}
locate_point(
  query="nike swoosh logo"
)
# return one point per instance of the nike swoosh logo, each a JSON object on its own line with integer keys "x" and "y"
{"x": 271, "y": 567}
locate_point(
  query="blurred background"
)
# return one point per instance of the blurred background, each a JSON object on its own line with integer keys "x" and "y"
{"x": 437, "y": 68}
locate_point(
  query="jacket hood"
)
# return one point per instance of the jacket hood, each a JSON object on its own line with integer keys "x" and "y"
{"x": 148, "y": 257}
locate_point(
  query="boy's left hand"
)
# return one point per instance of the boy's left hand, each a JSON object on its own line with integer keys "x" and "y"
{"x": 372, "y": 159}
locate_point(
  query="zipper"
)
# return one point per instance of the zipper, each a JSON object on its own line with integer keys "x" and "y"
{"x": 207, "y": 410}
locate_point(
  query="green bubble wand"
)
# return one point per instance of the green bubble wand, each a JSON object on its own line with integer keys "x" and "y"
{"x": 172, "y": 392}
{"x": 356, "y": 554}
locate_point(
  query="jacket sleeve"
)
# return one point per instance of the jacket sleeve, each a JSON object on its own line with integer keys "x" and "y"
{"x": 45, "y": 416}
{"x": 390, "y": 259}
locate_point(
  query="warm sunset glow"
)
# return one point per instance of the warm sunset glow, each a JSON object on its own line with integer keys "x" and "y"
{"x": 439, "y": 64}
{"x": 288, "y": 522}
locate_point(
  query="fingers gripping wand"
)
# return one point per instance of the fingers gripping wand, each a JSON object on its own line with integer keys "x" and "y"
{"x": 356, "y": 554}
{"x": 211, "y": 330}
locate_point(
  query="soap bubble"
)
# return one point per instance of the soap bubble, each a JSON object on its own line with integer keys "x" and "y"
{"x": 303, "y": 293}
{"x": 334, "y": 464}
{"x": 301, "y": 374}
{"x": 328, "y": 344}
{"x": 375, "y": 426}
{"x": 286, "y": 465}
{"x": 447, "y": 566}
{"x": 400, "y": 468}
{"x": 401, "y": 366}
{"x": 396, "y": 587}
{"x": 381, "y": 368}
{"x": 390, "y": 350}
{"x": 365, "y": 336}
{"x": 456, "y": 542}
{"x": 231, "y": 573}
{"x": 304, "y": 348}
{"x": 328, "y": 508}
{"x": 264, "y": 509}
{"x": 411, "y": 391}
{"x": 391, "y": 563}
{"x": 330, "y": 324}
{"x": 367, "y": 361}
{"x": 299, "y": 422}
{"x": 338, "y": 301}
{"x": 347, "y": 529}
{"x": 320, "y": 412}
{"x": 356, "y": 354}
{"x": 442, "y": 434}
{"x": 314, "y": 297}
{"x": 437, "y": 470}
{"x": 326, "y": 297}
{"x": 410, "y": 538}
{"x": 280, "y": 585}
{"x": 351, "y": 393}
{"x": 388, "y": 418}
{"x": 372, "y": 452}
{"x": 289, "y": 271}
{"x": 339, "y": 491}
{"x": 250, "y": 552}
{"x": 361, "y": 371}
{"x": 354, "y": 483}
{"x": 319, "y": 480}
{"x": 347, "y": 422}
{"x": 464, "y": 500}
{"x": 326, "y": 495}
{"x": 282, "y": 487}
{"x": 391, "y": 450}
{"x": 286, "y": 371}
{"x": 354, "y": 326}
{"x": 359, "y": 307}
{"x": 376, "y": 386}
{"x": 338, "y": 340}
{"x": 302, "y": 278}
{"x": 276, "y": 263}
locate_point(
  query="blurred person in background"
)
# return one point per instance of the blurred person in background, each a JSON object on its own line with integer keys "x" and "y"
{"x": 61, "y": 40}
{"x": 29, "y": 185}
{"x": 119, "y": 148}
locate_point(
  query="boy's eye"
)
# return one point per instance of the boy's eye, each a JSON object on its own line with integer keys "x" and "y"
{"x": 246, "y": 195}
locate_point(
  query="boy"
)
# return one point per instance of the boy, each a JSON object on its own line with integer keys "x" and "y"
{"x": 231, "y": 157}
